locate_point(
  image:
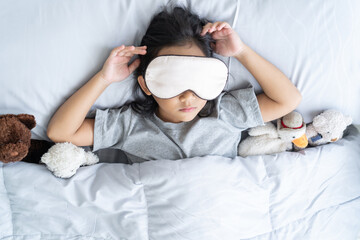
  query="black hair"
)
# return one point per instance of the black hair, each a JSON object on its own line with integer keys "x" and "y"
{"x": 170, "y": 27}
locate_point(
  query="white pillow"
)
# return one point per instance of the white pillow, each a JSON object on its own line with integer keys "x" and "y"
{"x": 49, "y": 49}
{"x": 315, "y": 44}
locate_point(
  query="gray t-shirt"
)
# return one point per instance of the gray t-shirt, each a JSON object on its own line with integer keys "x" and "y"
{"x": 151, "y": 138}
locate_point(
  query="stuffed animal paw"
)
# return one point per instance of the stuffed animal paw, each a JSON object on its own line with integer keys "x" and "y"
{"x": 63, "y": 159}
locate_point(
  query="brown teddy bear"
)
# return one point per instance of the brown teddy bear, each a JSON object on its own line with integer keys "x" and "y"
{"x": 15, "y": 139}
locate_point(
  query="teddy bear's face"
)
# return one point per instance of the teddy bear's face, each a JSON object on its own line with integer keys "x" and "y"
{"x": 328, "y": 133}
{"x": 15, "y": 136}
{"x": 331, "y": 125}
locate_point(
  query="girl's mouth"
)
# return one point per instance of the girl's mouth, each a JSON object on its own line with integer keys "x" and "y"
{"x": 189, "y": 109}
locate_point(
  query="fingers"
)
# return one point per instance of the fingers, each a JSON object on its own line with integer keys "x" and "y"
{"x": 116, "y": 50}
{"x": 212, "y": 27}
{"x": 128, "y": 51}
{"x": 134, "y": 65}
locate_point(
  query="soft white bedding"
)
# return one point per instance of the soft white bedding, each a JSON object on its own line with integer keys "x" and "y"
{"x": 312, "y": 194}
{"x": 48, "y": 49}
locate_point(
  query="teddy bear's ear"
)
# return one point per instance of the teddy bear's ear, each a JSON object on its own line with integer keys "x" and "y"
{"x": 28, "y": 120}
{"x": 7, "y": 116}
{"x": 319, "y": 121}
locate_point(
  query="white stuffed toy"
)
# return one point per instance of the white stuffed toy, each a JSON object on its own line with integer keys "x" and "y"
{"x": 327, "y": 127}
{"x": 268, "y": 139}
{"x": 63, "y": 159}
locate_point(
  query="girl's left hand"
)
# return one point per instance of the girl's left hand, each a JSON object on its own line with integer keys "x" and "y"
{"x": 228, "y": 42}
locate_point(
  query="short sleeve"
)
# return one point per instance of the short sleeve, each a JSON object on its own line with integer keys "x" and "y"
{"x": 240, "y": 108}
{"x": 110, "y": 127}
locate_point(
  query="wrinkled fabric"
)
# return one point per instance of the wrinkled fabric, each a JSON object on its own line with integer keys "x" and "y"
{"x": 311, "y": 194}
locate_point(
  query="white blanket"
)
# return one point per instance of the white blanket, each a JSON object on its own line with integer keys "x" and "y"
{"x": 312, "y": 194}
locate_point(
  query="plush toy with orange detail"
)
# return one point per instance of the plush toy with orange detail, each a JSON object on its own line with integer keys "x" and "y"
{"x": 268, "y": 139}
{"x": 327, "y": 127}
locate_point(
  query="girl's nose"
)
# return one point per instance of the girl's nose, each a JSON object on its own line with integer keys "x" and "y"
{"x": 187, "y": 95}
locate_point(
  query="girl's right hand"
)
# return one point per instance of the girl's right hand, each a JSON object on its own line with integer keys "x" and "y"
{"x": 116, "y": 66}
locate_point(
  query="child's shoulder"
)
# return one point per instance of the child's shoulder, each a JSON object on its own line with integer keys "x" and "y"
{"x": 240, "y": 107}
{"x": 238, "y": 94}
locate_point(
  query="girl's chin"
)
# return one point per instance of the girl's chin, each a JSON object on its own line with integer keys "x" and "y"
{"x": 182, "y": 117}
{"x": 188, "y": 118}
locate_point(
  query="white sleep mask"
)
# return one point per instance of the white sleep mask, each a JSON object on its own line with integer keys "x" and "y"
{"x": 169, "y": 75}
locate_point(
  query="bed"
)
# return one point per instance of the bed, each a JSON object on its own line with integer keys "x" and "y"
{"x": 48, "y": 49}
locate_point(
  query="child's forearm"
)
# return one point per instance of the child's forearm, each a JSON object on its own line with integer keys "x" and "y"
{"x": 69, "y": 117}
{"x": 274, "y": 83}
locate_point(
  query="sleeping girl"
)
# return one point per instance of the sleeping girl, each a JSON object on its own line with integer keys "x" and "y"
{"x": 181, "y": 109}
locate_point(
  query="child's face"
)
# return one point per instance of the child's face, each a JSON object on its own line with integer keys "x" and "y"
{"x": 182, "y": 108}
{"x": 185, "y": 106}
